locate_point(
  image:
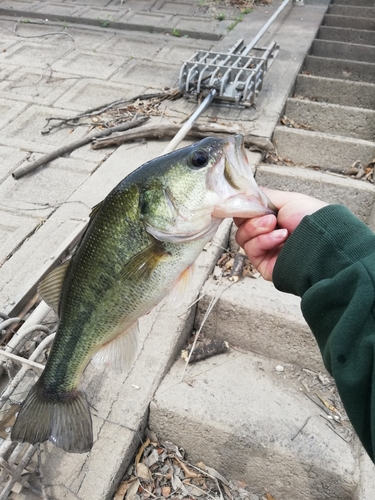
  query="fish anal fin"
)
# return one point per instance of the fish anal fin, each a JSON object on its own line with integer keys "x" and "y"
{"x": 178, "y": 293}
{"x": 119, "y": 354}
{"x": 143, "y": 263}
{"x": 50, "y": 287}
{"x": 64, "y": 419}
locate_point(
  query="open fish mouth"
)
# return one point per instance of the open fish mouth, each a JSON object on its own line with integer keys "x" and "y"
{"x": 241, "y": 194}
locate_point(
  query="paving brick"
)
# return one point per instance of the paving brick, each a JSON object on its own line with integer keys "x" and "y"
{"x": 10, "y": 110}
{"x": 89, "y": 93}
{"x": 10, "y": 159}
{"x": 138, "y": 73}
{"x": 41, "y": 86}
{"x": 145, "y": 21}
{"x": 205, "y": 27}
{"x": 144, "y": 46}
{"x": 35, "y": 54}
{"x": 144, "y": 5}
{"x": 176, "y": 7}
{"x": 25, "y": 130}
{"x": 14, "y": 229}
{"x": 86, "y": 63}
{"x": 102, "y": 15}
{"x": 18, "y": 4}
{"x": 56, "y": 182}
{"x": 177, "y": 52}
{"x": 57, "y": 10}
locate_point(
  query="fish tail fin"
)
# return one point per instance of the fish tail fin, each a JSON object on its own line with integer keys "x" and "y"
{"x": 64, "y": 419}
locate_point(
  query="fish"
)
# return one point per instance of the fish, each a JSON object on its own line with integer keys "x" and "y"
{"x": 140, "y": 245}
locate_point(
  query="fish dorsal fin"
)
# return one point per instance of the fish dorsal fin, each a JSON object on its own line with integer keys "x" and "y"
{"x": 143, "y": 263}
{"x": 50, "y": 287}
{"x": 119, "y": 354}
{"x": 178, "y": 292}
{"x": 95, "y": 209}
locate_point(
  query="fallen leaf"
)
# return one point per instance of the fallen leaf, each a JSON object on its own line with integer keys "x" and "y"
{"x": 132, "y": 490}
{"x": 165, "y": 491}
{"x": 143, "y": 472}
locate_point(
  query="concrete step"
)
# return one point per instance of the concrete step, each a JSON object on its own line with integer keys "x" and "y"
{"x": 363, "y": 3}
{"x": 358, "y": 23}
{"x": 266, "y": 321}
{"x": 347, "y": 35}
{"x": 327, "y": 151}
{"x": 357, "y": 195}
{"x": 236, "y": 413}
{"x": 335, "y": 91}
{"x": 353, "y": 10}
{"x": 339, "y": 68}
{"x": 342, "y": 50}
{"x": 335, "y": 119}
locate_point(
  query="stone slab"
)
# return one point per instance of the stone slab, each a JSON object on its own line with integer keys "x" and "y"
{"x": 39, "y": 86}
{"x": 89, "y": 64}
{"x": 339, "y": 68}
{"x": 155, "y": 75}
{"x": 347, "y": 35}
{"x": 235, "y": 413}
{"x": 90, "y": 93}
{"x": 352, "y": 11}
{"x": 358, "y": 196}
{"x": 327, "y": 151}
{"x": 10, "y": 159}
{"x": 343, "y": 50}
{"x": 349, "y": 22}
{"x": 335, "y": 91}
{"x": 346, "y": 121}
{"x": 35, "y": 54}
{"x": 255, "y": 317}
{"x": 10, "y": 110}
{"x": 13, "y": 230}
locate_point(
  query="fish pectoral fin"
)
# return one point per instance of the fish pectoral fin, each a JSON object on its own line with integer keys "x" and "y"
{"x": 50, "y": 287}
{"x": 143, "y": 263}
{"x": 119, "y": 353}
{"x": 177, "y": 294}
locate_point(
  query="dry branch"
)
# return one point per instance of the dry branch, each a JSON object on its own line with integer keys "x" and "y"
{"x": 162, "y": 131}
{"x": 68, "y": 148}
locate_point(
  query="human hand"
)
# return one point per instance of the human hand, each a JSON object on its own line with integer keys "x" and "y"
{"x": 260, "y": 238}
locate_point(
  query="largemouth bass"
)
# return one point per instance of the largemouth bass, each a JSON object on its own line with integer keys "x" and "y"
{"x": 141, "y": 243}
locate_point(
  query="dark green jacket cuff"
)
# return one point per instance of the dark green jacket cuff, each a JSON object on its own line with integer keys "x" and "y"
{"x": 322, "y": 245}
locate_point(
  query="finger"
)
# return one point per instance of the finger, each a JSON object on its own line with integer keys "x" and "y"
{"x": 254, "y": 227}
{"x": 258, "y": 247}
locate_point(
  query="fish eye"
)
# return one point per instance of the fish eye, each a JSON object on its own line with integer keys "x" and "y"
{"x": 199, "y": 159}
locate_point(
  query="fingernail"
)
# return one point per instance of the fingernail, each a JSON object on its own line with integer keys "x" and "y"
{"x": 280, "y": 234}
{"x": 265, "y": 221}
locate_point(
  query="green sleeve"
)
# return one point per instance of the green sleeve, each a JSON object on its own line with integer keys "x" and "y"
{"x": 329, "y": 261}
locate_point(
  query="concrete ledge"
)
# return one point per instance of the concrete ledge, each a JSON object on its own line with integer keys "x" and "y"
{"x": 352, "y": 10}
{"x": 339, "y": 68}
{"x": 359, "y": 23}
{"x": 343, "y": 50}
{"x": 254, "y": 316}
{"x": 237, "y": 414}
{"x": 335, "y": 91}
{"x": 346, "y": 121}
{"x": 358, "y": 196}
{"x": 347, "y": 35}
{"x": 328, "y": 151}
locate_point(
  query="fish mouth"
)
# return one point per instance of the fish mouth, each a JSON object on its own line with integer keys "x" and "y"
{"x": 243, "y": 197}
